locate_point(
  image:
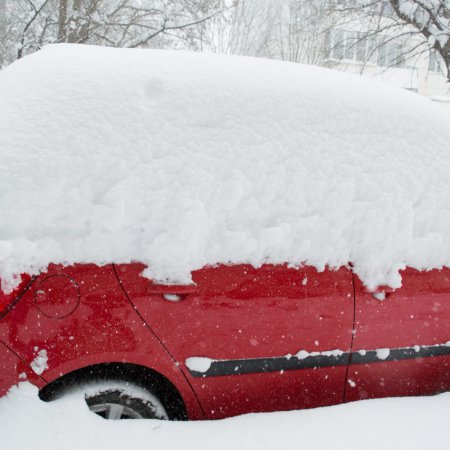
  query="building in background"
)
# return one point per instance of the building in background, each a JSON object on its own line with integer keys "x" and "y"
{"x": 341, "y": 35}
{"x": 357, "y": 45}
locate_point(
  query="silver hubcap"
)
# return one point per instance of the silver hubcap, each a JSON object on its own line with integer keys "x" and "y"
{"x": 113, "y": 411}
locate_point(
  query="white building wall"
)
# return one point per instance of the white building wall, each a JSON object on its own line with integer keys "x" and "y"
{"x": 418, "y": 78}
{"x": 268, "y": 27}
{"x": 413, "y": 75}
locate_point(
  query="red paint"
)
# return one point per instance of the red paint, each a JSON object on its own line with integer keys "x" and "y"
{"x": 103, "y": 328}
{"x": 57, "y": 296}
{"x": 418, "y": 313}
{"x": 239, "y": 312}
{"x": 7, "y": 299}
{"x": 81, "y": 316}
{"x": 13, "y": 370}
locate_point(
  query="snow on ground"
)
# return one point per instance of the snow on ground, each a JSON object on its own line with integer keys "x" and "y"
{"x": 179, "y": 160}
{"x": 395, "y": 423}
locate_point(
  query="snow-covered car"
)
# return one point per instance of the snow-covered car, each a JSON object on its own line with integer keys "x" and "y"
{"x": 201, "y": 236}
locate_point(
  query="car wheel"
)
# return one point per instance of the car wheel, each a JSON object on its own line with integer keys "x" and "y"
{"x": 115, "y": 401}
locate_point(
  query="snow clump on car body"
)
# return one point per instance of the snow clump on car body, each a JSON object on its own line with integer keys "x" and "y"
{"x": 181, "y": 160}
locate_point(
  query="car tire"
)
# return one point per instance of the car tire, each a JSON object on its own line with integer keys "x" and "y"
{"x": 116, "y": 400}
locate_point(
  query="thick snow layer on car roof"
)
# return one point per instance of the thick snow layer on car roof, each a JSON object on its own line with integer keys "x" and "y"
{"x": 180, "y": 160}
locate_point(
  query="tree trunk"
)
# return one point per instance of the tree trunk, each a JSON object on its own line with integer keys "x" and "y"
{"x": 443, "y": 51}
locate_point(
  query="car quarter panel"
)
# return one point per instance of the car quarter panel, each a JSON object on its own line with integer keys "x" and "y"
{"x": 261, "y": 331}
{"x": 14, "y": 370}
{"x": 77, "y": 316}
{"x": 402, "y": 344}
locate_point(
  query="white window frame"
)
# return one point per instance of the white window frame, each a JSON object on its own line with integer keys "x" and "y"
{"x": 351, "y": 47}
{"x": 391, "y": 54}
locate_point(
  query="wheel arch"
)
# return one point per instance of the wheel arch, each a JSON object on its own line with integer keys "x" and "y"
{"x": 142, "y": 376}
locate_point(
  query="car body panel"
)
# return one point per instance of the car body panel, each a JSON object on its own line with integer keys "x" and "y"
{"x": 411, "y": 330}
{"x": 14, "y": 370}
{"x": 239, "y": 339}
{"x": 10, "y": 298}
{"x": 94, "y": 323}
{"x": 239, "y": 313}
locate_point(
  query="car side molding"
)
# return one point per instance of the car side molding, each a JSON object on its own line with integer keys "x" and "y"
{"x": 314, "y": 360}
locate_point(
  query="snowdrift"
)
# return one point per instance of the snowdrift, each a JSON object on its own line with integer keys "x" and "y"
{"x": 180, "y": 160}
{"x": 389, "y": 424}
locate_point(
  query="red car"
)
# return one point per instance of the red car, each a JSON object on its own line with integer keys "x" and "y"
{"x": 238, "y": 340}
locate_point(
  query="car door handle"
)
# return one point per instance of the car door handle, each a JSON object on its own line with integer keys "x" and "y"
{"x": 380, "y": 293}
{"x": 172, "y": 289}
{"x": 386, "y": 289}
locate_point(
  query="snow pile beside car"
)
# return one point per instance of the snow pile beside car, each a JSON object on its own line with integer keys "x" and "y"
{"x": 394, "y": 423}
{"x": 180, "y": 160}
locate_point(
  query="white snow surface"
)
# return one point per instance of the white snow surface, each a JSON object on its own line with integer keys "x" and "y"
{"x": 383, "y": 353}
{"x": 199, "y": 363}
{"x": 303, "y": 354}
{"x": 66, "y": 424}
{"x": 180, "y": 160}
{"x": 39, "y": 363}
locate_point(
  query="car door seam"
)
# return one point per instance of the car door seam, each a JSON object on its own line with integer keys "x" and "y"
{"x": 353, "y": 331}
{"x": 158, "y": 339}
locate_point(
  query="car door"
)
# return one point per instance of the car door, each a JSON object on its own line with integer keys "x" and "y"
{"x": 402, "y": 344}
{"x": 253, "y": 339}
